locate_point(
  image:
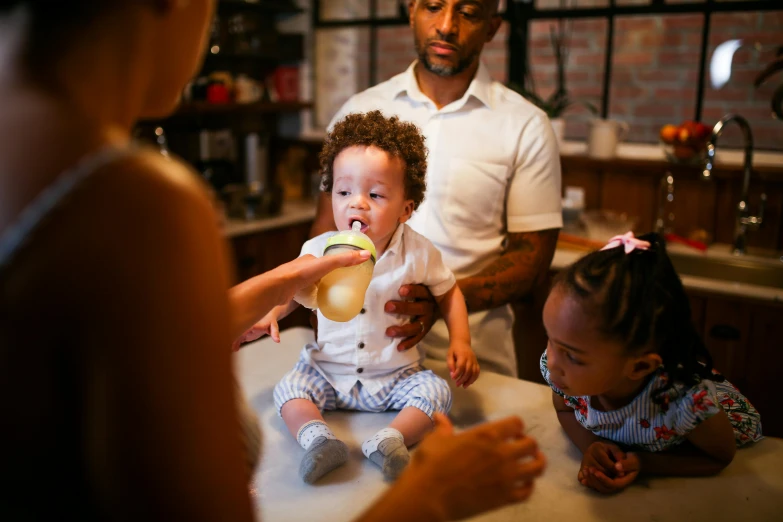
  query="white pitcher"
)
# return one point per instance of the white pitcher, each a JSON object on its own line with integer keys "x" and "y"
{"x": 603, "y": 137}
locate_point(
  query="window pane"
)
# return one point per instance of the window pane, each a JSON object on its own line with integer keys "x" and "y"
{"x": 654, "y": 72}
{"x": 584, "y": 68}
{"x": 739, "y": 95}
{"x": 395, "y": 51}
{"x": 564, "y": 4}
{"x": 390, "y": 8}
{"x": 495, "y": 55}
{"x": 342, "y": 69}
{"x": 343, "y": 9}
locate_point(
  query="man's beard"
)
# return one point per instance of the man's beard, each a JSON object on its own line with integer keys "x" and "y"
{"x": 444, "y": 71}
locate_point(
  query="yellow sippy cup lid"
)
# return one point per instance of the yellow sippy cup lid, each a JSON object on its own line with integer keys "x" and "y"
{"x": 352, "y": 238}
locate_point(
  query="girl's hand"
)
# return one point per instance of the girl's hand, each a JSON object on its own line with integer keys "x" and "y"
{"x": 600, "y": 456}
{"x": 266, "y": 326}
{"x": 626, "y": 472}
{"x": 608, "y": 469}
{"x": 463, "y": 365}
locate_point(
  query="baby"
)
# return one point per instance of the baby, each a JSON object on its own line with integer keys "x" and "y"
{"x": 374, "y": 167}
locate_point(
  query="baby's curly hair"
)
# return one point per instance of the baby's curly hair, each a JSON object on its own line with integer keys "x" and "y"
{"x": 398, "y": 138}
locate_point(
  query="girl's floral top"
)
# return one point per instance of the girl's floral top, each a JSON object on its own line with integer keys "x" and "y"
{"x": 648, "y": 426}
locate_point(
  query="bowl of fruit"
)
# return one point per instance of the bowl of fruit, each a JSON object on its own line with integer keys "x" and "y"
{"x": 685, "y": 143}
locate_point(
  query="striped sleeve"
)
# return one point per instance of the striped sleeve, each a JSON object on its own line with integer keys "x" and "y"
{"x": 695, "y": 406}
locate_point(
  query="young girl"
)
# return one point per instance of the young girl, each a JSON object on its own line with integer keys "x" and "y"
{"x": 633, "y": 383}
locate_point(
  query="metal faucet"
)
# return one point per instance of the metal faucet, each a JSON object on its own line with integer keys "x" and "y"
{"x": 744, "y": 220}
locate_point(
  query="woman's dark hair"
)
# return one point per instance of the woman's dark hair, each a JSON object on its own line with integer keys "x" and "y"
{"x": 53, "y": 24}
{"x": 638, "y": 298}
{"x": 398, "y": 138}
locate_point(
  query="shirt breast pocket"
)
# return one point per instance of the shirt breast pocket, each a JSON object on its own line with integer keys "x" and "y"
{"x": 475, "y": 193}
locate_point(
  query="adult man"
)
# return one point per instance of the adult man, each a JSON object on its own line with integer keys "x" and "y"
{"x": 493, "y": 181}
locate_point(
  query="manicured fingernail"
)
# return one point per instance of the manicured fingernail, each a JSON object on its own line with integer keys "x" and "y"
{"x": 390, "y": 307}
{"x": 404, "y": 291}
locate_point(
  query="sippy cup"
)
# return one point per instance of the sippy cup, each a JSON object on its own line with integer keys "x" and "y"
{"x": 341, "y": 292}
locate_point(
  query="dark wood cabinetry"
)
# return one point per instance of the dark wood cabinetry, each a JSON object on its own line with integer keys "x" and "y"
{"x": 745, "y": 339}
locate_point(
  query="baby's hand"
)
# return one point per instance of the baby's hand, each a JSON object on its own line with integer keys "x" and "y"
{"x": 608, "y": 469}
{"x": 463, "y": 365}
{"x": 266, "y": 326}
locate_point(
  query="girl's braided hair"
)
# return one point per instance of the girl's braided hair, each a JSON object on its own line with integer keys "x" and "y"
{"x": 638, "y": 299}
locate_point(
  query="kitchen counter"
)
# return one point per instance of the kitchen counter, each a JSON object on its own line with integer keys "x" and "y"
{"x": 750, "y": 488}
{"x": 292, "y": 213}
{"x": 565, "y": 256}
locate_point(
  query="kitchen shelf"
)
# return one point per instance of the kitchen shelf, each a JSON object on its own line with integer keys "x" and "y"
{"x": 196, "y": 110}
{"x": 199, "y": 108}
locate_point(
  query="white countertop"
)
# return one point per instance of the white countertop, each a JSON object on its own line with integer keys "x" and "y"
{"x": 292, "y": 213}
{"x": 751, "y": 488}
{"x": 654, "y": 152}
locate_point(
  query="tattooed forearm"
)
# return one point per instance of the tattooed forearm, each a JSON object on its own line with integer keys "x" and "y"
{"x": 513, "y": 274}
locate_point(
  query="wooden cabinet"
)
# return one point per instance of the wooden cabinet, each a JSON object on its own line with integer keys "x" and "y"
{"x": 262, "y": 251}
{"x": 764, "y": 364}
{"x": 745, "y": 339}
{"x": 725, "y": 334}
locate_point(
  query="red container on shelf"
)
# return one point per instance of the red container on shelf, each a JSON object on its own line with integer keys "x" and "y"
{"x": 218, "y": 93}
{"x": 286, "y": 83}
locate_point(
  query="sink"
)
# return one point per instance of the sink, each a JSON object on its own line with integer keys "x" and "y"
{"x": 763, "y": 272}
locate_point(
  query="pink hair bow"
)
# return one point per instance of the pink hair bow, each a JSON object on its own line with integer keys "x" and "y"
{"x": 629, "y": 242}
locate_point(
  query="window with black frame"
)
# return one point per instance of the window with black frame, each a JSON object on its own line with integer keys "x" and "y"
{"x": 645, "y": 62}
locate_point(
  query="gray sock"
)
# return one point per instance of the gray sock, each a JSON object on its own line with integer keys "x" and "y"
{"x": 391, "y": 456}
{"x": 321, "y": 457}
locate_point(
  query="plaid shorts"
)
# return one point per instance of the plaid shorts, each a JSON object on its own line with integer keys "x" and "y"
{"x": 414, "y": 387}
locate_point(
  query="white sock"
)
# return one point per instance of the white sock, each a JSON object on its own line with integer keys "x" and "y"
{"x": 312, "y": 430}
{"x": 370, "y": 445}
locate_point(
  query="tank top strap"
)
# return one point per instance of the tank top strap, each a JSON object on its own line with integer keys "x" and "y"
{"x": 36, "y": 212}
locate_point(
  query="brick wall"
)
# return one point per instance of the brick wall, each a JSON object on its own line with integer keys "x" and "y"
{"x": 655, "y": 71}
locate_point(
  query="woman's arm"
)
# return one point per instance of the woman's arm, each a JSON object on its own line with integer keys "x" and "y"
{"x": 252, "y": 299}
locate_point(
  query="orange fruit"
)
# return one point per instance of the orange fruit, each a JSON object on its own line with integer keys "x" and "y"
{"x": 669, "y": 134}
{"x": 683, "y": 135}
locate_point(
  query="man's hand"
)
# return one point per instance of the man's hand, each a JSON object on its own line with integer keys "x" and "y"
{"x": 608, "y": 469}
{"x": 421, "y": 306}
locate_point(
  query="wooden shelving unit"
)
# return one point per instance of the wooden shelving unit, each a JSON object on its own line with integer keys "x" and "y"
{"x": 205, "y": 108}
